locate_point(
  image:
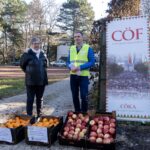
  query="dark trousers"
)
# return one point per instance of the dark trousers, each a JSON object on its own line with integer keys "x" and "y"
{"x": 79, "y": 83}
{"x": 33, "y": 91}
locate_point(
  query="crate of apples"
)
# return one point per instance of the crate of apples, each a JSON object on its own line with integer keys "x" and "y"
{"x": 102, "y": 131}
{"x": 74, "y": 129}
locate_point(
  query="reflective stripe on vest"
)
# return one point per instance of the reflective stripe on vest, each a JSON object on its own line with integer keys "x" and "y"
{"x": 79, "y": 58}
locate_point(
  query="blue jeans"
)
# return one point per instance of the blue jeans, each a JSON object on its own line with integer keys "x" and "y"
{"x": 79, "y": 83}
{"x": 33, "y": 91}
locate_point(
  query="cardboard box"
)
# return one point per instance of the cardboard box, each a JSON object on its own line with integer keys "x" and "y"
{"x": 15, "y": 134}
{"x": 43, "y": 136}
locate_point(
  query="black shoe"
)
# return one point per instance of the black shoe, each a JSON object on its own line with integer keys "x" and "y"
{"x": 33, "y": 120}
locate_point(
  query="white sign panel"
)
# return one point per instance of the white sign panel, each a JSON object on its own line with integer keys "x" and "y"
{"x": 38, "y": 134}
{"x": 128, "y": 85}
{"x": 5, "y": 135}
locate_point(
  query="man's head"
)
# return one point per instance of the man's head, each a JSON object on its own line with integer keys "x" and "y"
{"x": 78, "y": 38}
{"x": 35, "y": 43}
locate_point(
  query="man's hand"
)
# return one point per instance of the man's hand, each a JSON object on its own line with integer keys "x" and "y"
{"x": 75, "y": 69}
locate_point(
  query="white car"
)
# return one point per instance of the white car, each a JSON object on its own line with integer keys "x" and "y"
{"x": 59, "y": 63}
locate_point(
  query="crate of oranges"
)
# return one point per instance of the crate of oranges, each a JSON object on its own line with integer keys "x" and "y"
{"x": 44, "y": 131}
{"x": 13, "y": 130}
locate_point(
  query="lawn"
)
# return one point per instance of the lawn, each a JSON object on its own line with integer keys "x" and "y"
{"x": 14, "y": 86}
{"x": 11, "y": 87}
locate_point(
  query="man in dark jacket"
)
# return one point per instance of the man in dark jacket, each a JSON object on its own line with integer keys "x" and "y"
{"x": 34, "y": 63}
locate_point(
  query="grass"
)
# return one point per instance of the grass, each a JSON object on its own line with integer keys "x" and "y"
{"x": 14, "y": 86}
{"x": 11, "y": 87}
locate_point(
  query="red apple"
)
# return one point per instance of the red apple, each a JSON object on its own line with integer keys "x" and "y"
{"x": 101, "y": 135}
{"x": 106, "y": 118}
{"x": 107, "y": 141}
{"x": 84, "y": 130}
{"x": 112, "y": 130}
{"x": 77, "y": 129}
{"x": 73, "y": 123}
{"x": 86, "y": 116}
{"x": 105, "y": 131}
{"x": 96, "y": 119}
{"x": 75, "y": 136}
{"x": 100, "y": 126}
{"x": 112, "y": 124}
{"x": 70, "y": 120}
{"x": 86, "y": 119}
{"x": 72, "y": 128}
{"x": 93, "y": 134}
{"x": 65, "y": 134}
{"x": 81, "y": 135}
{"x": 106, "y": 126}
{"x": 92, "y": 122}
{"x": 111, "y": 139}
{"x": 101, "y": 118}
{"x": 80, "y": 115}
{"x": 92, "y": 139}
{"x": 106, "y": 122}
{"x": 99, "y": 140}
{"x": 82, "y": 127}
{"x": 94, "y": 128}
{"x": 106, "y": 136}
{"x": 83, "y": 124}
{"x": 70, "y": 136}
{"x": 66, "y": 128}
{"x": 78, "y": 126}
{"x": 100, "y": 122}
{"x": 71, "y": 132}
{"x": 79, "y": 121}
{"x": 112, "y": 120}
{"x": 74, "y": 116}
{"x": 76, "y": 133}
{"x": 70, "y": 113}
{"x": 99, "y": 130}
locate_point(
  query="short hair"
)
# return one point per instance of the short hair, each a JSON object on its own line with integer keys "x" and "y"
{"x": 79, "y": 32}
{"x": 35, "y": 40}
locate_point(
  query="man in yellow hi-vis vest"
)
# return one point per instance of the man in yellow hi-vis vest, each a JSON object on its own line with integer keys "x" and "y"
{"x": 80, "y": 59}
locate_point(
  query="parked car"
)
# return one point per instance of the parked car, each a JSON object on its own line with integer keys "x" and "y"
{"x": 59, "y": 63}
{"x": 16, "y": 63}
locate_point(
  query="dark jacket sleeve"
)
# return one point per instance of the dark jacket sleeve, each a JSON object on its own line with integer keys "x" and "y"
{"x": 24, "y": 61}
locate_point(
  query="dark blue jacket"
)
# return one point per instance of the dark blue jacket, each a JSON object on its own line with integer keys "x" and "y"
{"x": 34, "y": 68}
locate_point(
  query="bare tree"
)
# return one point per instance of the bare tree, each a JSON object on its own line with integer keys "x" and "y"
{"x": 40, "y": 17}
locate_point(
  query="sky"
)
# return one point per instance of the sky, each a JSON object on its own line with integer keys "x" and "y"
{"x": 99, "y": 6}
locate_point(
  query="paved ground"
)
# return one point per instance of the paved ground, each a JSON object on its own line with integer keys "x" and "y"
{"x": 57, "y": 101}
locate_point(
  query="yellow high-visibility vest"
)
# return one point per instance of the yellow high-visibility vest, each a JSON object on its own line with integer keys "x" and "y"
{"x": 79, "y": 58}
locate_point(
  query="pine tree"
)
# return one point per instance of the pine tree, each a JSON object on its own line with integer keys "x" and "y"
{"x": 11, "y": 15}
{"x": 76, "y": 15}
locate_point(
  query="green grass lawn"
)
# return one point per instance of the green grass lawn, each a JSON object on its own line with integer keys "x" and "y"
{"x": 11, "y": 87}
{"x": 14, "y": 86}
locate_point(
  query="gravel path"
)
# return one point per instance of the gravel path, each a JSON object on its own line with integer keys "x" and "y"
{"x": 57, "y": 101}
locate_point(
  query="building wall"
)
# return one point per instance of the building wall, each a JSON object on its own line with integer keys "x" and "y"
{"x": 62, "y": 50}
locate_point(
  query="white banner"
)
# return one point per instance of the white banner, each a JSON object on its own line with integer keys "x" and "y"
{"x": 128, "y": 85}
